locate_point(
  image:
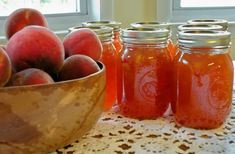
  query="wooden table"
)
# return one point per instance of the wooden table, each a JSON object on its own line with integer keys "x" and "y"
{"x": 115, "y": 134}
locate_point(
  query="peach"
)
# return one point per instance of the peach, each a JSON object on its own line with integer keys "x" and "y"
{"x": 83, "y": 41}
{"x": 36, "y": 47}
{"x": 21, "y": 18}
{"x": 30, "y": 76}
{"x": 5, "y": 68}
{"x": 78, "y": 66}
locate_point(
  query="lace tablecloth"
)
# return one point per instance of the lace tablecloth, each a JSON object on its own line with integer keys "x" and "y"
{"x": 115, "y": 134}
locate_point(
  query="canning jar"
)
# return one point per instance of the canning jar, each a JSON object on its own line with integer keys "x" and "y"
{"x": 199, "y": 27}
{"x": 109, "y": 58}
{"x": 203, "y": 79}
{"x": 158, "y": 25}
{"x": 221, "y": 22}
{"x": 116, "y": 31}
{"x": 196, "y": 27}
{"x": 144, "y": 90}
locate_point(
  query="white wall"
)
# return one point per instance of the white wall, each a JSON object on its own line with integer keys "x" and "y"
{"x": 129, "y": 11}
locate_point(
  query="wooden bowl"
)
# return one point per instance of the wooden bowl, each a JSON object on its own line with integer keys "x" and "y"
{"x": 41, "y": 118}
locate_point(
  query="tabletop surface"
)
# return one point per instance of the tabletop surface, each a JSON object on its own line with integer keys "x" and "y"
{"x": 115, "y": 134}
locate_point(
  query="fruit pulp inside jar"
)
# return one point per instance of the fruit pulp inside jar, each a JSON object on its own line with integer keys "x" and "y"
{"x": 203, "y": 86}
{"x": 109, "y": 58}
{"x": 144, "y": 90}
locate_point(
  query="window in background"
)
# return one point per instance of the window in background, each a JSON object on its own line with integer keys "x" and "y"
{"x": 44, "y": 6}
{"x": 60, "y": 14}
{"x": 207, "y": 3}
{"x": 183, "y": 10}
{"x": 179, "y": 11}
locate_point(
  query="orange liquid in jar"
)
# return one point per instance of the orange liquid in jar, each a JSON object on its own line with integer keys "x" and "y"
{"x": 171, "y": 49}
{"x": 119, "y": 50}
{"x": 119, "y": 75}
{"x": 109, "y": 58}
{"x": 145, "y": 88}
{"x": 203, "y": 89}
{"x": 117, "y": 42}
{"x": 174, "y": 96}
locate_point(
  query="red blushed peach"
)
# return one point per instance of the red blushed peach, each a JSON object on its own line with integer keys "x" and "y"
{"x": 21, "y": 18}
{"x": 5, "y": 68}
{"x": 30, "y": 76}
{"x": 83, "y": 41}
{"x": 78, "y": 66}
{"x": 36, "y": 47}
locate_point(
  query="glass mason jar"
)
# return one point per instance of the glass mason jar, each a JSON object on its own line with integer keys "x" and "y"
{"x": 203, "y": 79}
{"x": 221, "y": 22}
{"x": 144, "y": 90}
{"x": 109, "y": 58}
{"x": 116, "y": 31}
{"x": 196, "y": 27}
{"x": 160, "y": 25}
{"x": 199, "y": 27}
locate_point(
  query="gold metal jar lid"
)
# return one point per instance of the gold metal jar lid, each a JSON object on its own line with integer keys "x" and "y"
{"x": 199, "y": 27}
{"x": 151, "y": 24}
{"x": 145, "y": 35}
{"x": 221, "y": 22}
{"x": 104, "y": 33}
{"x": 113, "y": 24}
{"x": 209, "y": 38}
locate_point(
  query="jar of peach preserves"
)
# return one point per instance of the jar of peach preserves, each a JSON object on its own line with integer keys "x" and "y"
{"x": 221, "y": 22}
{"x": 203, "y": 79}
{"x": 109, "y": 58}
{"x": 196, "y": 27}
{"x": 116, "y": 31}
{"x": 158, "y": 25}
{"x": 144, "y": 90}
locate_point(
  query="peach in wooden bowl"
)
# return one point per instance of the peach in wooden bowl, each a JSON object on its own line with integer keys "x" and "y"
{"x": 41, "y": 118}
